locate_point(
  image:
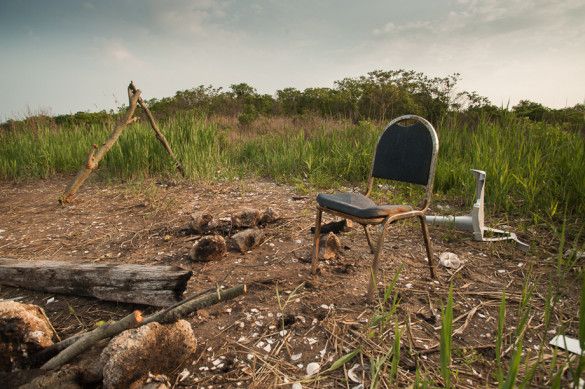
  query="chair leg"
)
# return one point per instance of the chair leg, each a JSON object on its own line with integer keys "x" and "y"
{"x": 375, "y": 264}
{"x": 315, "y": 260}
{"x": 368, "y": 238}
{"x": 425, "y": 232}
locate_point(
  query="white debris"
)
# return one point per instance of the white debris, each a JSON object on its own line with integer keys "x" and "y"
{"x": 296, "y": 357}
{"x": 352, "y": 374}
{"x": 297, "y": 385}
{"x": 449, "y": 260}
{"x": 311, "y": 341}
{"x": 267, "y": 348}
{"x": 408, "y": 286}
{"x": 283, "y": 333}
{"x": 567, "y": 343}
{"x": 250, "y": 357}
{"x": 254, "y": 310}
{"x": 183, "y": 375}
{"x": 298, "y": 241}
{"x": 51, "y": 300}
{"x": 216, "y": 362}
{"x": 501, "y": 271}
{"x": 313, "y": 368}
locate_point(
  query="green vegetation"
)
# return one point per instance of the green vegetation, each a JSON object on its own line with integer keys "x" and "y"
{"x": 534, "y": 169}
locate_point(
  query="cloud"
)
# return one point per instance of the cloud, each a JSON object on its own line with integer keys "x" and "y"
{"x": 189, "y": 18}
{"x": 116, "y": 51}
{"x": 504, "y": 49}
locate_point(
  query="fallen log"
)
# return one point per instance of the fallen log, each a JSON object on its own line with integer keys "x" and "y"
{"x": 73, "y": 346}
{"x": 159, "y": 286}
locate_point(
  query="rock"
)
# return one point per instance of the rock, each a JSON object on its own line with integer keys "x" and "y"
{"x": 329, "y": 246}
{"x": 246, "y": 240}
{"x": 268, "y": 216}
{"x": 209, "y": 248}
{"x": 201, "y": 222}
{"x": 153, "y": 348}
{"x": 246, "y": 218}
{"x": 336, "y": 227}
{"x": 449, "y": 260}
{"x": 65, "y": 378}
{"x": 24, "y": 331}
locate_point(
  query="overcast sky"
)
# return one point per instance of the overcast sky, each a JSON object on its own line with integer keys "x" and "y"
{"x": 65, "y": 56}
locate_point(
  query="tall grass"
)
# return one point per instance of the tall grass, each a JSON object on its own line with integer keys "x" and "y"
{"x": 530, "y": 167}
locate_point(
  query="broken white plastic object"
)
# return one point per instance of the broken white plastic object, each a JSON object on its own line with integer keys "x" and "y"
{"x": 474, "y": 222}
{"x": 567, "y": 343}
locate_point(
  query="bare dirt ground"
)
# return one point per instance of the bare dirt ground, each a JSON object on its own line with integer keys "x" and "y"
{"x": 288, "y": 319}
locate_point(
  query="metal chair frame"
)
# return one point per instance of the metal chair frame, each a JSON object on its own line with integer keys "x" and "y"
{"x": 385, "y": 221}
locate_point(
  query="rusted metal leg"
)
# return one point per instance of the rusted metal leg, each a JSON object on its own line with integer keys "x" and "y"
{"x": 315, "y": 260}
{"x": 375, "y": 264}
{"x": 368, "y": 238}
{"x": 425, "y": 232}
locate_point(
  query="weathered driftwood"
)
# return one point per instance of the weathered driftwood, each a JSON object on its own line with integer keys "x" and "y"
{"x": 159, "y": 135}
{"x": 190, "y": 305}
{"x": 151, "y": 285}
{"x": 97, "y": 154}
{"x": 86, "y": 341}
{"x": 168, "y": 315}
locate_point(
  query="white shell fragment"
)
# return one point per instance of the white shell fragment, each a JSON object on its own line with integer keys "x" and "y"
{"x": 313, "y": 368}
{"x": 449, "y": 260}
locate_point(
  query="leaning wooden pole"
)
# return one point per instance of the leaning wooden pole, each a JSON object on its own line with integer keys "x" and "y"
{"x": 159, "y": 135}
{"x": 97, "y": 154}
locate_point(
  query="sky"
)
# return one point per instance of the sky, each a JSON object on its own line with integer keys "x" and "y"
{"x": 64, "y": 56}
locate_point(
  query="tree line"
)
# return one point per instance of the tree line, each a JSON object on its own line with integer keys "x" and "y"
{"x": 379, "y": 95}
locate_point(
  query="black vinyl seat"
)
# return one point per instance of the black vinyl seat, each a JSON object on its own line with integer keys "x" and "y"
{"x": 358, "y": 205}
{"x": 407, "y": 152}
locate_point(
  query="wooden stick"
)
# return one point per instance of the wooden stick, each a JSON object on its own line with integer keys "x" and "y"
{"x": 168, "y": 315}
{"x": 188, "y": 306}
{"x": 89, "y": 339}
{"x": 159, "y": 135}
{"x": 97, "y": 154}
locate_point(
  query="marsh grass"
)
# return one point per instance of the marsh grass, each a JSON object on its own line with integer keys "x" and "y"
{"x": 532, "y": 169}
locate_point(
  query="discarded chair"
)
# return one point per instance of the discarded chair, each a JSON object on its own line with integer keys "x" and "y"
{"x": 406, "y": 152}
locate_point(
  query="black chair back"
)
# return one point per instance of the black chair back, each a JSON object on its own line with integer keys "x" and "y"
{"x": 405, "y": 152}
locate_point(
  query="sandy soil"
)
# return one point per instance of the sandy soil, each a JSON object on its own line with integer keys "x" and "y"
{"x": 288, "y": 319}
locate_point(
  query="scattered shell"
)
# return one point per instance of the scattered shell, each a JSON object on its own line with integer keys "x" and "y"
{"x": 183, "y": 375}
{"x": 313, "y": 368}
{"x": 296, "y": 357}
{"x": 352, "y": 374}
{"x": 449, "y": 260}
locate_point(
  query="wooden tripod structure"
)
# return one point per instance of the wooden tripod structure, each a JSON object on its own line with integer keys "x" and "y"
{"x": 96, "y": 154}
